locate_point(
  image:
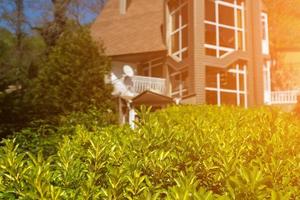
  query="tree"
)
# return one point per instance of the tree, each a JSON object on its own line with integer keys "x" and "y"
{"x": 72, "y": 77}
{"x": 65, "y": 14}
{"x": 284, "y": 29}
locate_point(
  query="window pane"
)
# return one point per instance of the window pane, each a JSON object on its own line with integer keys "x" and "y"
{"x": 157, "y": 72}
{"x": 173, "y": 4}
{"x": 175, "y": 21}
{"x": 184, "y": 13}
{"x": 175, "y": 42}
{"x": 227, "y": 38}
{"x": 185, "y": 54}
{"x": 211, "y": 77}
{"x": 210, "y": 10}
{"x": 146, "y": 72}
{"x": 210, "y": 52}
{"x": 210, "y": 34}
{"x": 211, "y": 97}
{"x": 239, "y": 18}
{"x": 240, "y": 40}
{"x": 228, "y": 81}
{"x": 226, "y": 15}
{"x": 242, "y": 85}
{"x": 242, "y": 100}
{"x": 185, "y": 37}
{"x": 223, "y": 53}
{"x": 228, "y": 98}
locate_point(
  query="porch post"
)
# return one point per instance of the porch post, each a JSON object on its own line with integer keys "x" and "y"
{"x": 132, "y": 117}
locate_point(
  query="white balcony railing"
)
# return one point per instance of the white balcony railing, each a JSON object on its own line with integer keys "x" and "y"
{"x": 284, "y": 97}
{"x": 143, "y": 83}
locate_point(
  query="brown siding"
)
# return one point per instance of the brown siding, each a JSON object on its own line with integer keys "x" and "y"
{"x": 199, "y": 53}
{"x": 254, "y": 49}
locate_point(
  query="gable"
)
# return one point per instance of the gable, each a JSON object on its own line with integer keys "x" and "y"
{"x": 140, "y": 30}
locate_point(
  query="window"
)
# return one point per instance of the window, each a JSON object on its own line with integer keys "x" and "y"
{"x": 265, "y": 32}
{"x": 224, "y": 27}
{"x": 267, "y": 81}
{"x": 179, "y": 83}
{"x": 178, "y": 29}
{"x": 228, "y": 87}
{"x": 153, "y": 68}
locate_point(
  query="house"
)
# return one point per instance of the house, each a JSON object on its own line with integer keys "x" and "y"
{"x": 186, "y": 51}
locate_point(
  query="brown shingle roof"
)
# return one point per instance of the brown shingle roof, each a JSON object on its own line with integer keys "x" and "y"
{"x": 138, "y": 31}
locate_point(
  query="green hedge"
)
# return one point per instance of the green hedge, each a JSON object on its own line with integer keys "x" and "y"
{"x": 189, "y": 152}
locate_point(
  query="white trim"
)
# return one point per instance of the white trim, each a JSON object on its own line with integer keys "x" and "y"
{"x": 238, "y": 91}
{"x": 265, "y": 37}
{"x": 238, "y": 98}
{"x": 219, "y": 100}
{"x": 223, "y": 3}
{"x": 181, "y": 89}
{"x": 245, "y": 86}
{"x": 237, "y": 30}
{"x": 243, "y": 26}
{"x": 223, "y": 90}
{"x": 178, "y": 55}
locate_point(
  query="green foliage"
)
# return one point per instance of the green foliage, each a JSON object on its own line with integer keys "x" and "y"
{"x": 15, "y": 73}
{"x": 72, "y": 77}
{"x": 184, "y": 153}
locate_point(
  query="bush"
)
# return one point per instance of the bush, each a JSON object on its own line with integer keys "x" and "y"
{"x": 190, "y": 152}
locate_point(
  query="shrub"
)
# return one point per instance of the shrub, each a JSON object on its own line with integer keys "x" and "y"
{"x": 190, "y": 152}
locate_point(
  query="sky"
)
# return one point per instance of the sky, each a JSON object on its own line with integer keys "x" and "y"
{"x": 37, "y": 11}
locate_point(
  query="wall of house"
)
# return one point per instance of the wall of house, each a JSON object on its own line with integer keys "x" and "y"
{"x": 252, "y": 56}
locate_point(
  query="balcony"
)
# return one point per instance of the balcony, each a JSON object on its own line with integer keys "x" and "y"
{"x": 143, "y": 83}
{"x": 284, "y": 97}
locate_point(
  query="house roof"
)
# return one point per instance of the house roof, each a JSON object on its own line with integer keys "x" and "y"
{"x": 140, "y": 30}
{"x": 151, "y": 98}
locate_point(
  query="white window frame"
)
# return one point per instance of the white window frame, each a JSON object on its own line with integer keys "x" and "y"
{"x": 181, "y": 89}
{"x": 236, "y": 29}
{"x": 178, "y": 55}
{"x": 267, "y": 82}
{"x": 265, "y": 37}
{"x": 238, "y": 91}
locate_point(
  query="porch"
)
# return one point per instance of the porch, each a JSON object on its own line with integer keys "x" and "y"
{"x": 144, "y": 83}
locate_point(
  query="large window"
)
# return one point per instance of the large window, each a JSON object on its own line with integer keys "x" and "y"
{"x": 228, "y": 87}
{"x": 179, "y": 83}
{"x": 224, "y": 27}
{"x": 178, "y": 29}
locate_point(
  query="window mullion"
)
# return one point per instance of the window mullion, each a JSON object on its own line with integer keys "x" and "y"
{"x": 238, "y": 98}
{"x": 217, "y": 29}
{"x": 236, "y": 38}
{"x": 243, "y": 26}
{"x": 245, "y": 86}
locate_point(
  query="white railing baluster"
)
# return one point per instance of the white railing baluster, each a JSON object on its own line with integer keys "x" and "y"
{"x": 284, "y": 97}
{"x": 143, "y": 83}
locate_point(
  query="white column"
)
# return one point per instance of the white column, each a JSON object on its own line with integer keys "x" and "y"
{"x": 132, "y": 114}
